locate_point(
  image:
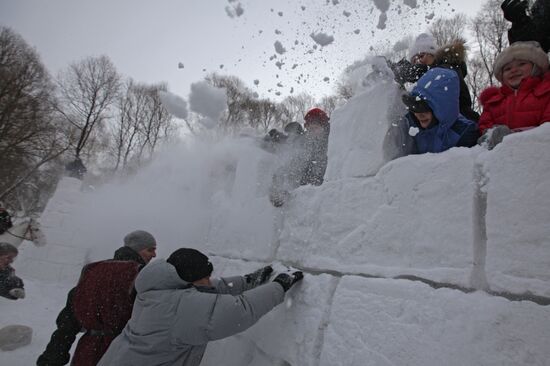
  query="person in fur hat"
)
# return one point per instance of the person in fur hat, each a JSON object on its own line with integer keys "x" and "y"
{"x": 425, "y": 55}
{"x": 523, "y": 99}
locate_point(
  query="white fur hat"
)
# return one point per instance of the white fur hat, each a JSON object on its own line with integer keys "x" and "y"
{"x": 529, "y": 51}
{"x": 424, "y": 43}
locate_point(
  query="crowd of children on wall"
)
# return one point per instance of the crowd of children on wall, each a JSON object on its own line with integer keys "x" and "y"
{"x": 440, "y": 114}
{"x": 439, "y": 117}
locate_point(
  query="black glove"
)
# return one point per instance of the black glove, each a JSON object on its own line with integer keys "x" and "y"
{"x": 259, "y": 276}
{"x": 515, "y": 10}
{"x": 287, "y": 280}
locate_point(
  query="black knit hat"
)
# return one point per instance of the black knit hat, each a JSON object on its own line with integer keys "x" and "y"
{"x": 190, "y": 264}
{"x": 416, "y": 104}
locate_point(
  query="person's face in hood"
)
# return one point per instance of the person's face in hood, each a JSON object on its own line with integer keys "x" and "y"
{"x": 425, "y": 119}
{"x": 514, "y": 72}
{"x": 6, "y": 260}
{"x": 424, "y": 58}
{"x": 315, "y": 129}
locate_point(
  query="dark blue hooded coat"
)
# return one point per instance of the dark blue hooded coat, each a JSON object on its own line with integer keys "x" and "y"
{"x": 440, "y": 88}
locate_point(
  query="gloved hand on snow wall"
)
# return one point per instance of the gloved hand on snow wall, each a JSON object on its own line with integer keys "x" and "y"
{"x": 515, "y": 10}
{"x": 494, "y": 136}
{"x": 259, "y": 276}
{"x": 288, "y": 280}
{"x": 18, "y": 293}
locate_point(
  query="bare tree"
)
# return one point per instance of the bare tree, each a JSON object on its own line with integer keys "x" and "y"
{"x": 264, "y": 114}
{"x": 490, "y": 30}
{"x": 296, "y": 106}
{"x": 238, "y": 96}
{"x": 447, "y": 30}
{"x": 477, "y": 80}
{"x": 30, "y": 136}
{"x": 87, "y": 90}
{"x": 329, "y": 103}
{"x": 141, "y": 123}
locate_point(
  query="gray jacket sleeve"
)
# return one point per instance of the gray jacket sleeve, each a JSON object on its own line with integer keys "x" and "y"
{"x": 234, "y": 314}
{"x": 234, "y": 285}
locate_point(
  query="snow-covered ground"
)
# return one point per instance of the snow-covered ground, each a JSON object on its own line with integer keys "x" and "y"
{"x": 392, "y": 252}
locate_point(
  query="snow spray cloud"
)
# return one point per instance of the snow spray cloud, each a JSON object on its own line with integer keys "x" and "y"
{"x": 208, "y": 101}
{"x": 174, "y": 104}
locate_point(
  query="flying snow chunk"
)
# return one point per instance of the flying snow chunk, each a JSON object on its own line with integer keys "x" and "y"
{"x": 346, "y": 13}
{"x": 279, "y": 48}
{"x": 357, "y": 31}
{"x": 400, "y": 45}
{"x": 430, "y": 16}
{"x": 326, "y": 79}
{"x": 382, "y": 21}
{"x": 322, "y": 39}
{"x": 234, "y": 10}
{"x": 256, "y": 82}
{"x": 411, "y": 3}
{"x": 382, "y": 5}
{"x": 174, "y": 104}
{"x": 413, "y": 131}
{"x": 180, "y": 65}
{"x": 207, "y": 100}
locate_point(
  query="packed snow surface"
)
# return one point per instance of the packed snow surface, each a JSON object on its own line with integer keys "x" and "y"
{"x": 392, "y": 251}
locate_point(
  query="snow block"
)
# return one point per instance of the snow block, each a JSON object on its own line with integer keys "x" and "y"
{"x": 388, "y": 322}
{"x": 242, "y": 218}
{"x": 292, "y": 332}
{"x": 518, "y": 212}
{"x": 15, "y": 336}
{"x": 357, "y": 132}
{"x": 60, "y": 260}
{"x": 413, "y": 217}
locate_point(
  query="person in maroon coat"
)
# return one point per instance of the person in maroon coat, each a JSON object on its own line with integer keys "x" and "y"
{"x": 100, "y": 304}
{"x": 523, "y": 100}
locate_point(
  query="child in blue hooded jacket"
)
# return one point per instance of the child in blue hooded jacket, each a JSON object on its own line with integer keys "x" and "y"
{"x": 434, "y": 120}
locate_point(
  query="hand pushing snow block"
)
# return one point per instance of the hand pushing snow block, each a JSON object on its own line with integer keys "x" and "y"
{"x": 293, "y": 330}
{"x": 15, "y": 336}
{"x": 357, "y": 132}
{"x": 518, "y": 212}
{"x": 413, "y": 217}
{"x": 289, "y": 334}
{"x": 394, "y": 322}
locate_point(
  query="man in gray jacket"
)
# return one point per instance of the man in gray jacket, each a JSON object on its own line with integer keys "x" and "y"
{"x": 179, "y": 308}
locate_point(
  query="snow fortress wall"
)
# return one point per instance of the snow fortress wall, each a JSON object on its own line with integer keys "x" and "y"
{"x": 444, "y": 218}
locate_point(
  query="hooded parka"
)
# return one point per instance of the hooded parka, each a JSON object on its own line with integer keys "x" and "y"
{"x": 172, "y": 320}
{"x": 440, "y": 89}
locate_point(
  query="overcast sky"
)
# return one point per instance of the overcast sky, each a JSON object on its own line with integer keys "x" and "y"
{"x": 148, "y": 39}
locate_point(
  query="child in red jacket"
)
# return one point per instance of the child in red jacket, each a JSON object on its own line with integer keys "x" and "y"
{"x": 523, "y": 100}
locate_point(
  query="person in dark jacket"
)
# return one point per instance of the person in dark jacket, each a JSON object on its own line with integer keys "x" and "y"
{"x": 139, "y": 248}
{"x": 5, "y": 219}
{"x": 11, "y": 286}
{"x": 273, "y": 141}
{"x": 528, "y": 27}
{"x": 434, "y": 119}
{"x": 76, "y": 168}
{"x": 307, "y": 160}
{"x": 316, "y": 146}
{"x": 180, "y": 308}
{"x": 424, "y": 55}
